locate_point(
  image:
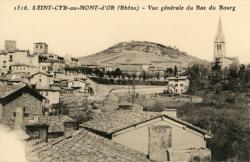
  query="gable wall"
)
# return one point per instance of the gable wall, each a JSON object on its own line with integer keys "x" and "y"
{"x": 32, "y": 105}
{"x": 138, "y": 138}
{"x": 45, "y": 80}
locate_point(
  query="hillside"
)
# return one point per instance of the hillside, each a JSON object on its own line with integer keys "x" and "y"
{"x": 135, "y": 52}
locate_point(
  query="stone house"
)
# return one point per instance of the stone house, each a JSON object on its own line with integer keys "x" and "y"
{"x": 55, "y": 124}
{"x": 71, "y": 61}
{"x": 41, "y": 79}
{"x": 13, "y": 96}
{"x": 45, "y": 66}
{"x": 178, "y": 85}
{"x": 78, "y": 85}
{"x": 161, "y": 137}
{"x": 56, "y": 62}
{"x": 11, "y": 55}
{"x": 23, "y": 68}
{"x": 51, "y": 93}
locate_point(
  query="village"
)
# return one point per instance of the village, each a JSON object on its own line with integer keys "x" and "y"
{"x": 68, "y": 111}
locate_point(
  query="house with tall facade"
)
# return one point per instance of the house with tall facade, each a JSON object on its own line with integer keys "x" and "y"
{"x": 71, "y": 61}
{"x": 51, "y": 93}
{"x": 178, "y": 85}
{"x": 23, "y": 68}
{"x": 12, "y": 56}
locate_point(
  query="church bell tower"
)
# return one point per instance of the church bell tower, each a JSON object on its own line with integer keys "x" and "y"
{"x": 219, "y": 43}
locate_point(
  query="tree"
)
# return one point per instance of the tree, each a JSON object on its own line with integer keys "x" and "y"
{"x": 218, "y": 88}
{"x": 175, "y": 71}
{"x": 157, "y": 75}
{"x": 169, "y": 71}
{"x": 242, "y": 75}
{"x": 117, "y": 73}
{"x": 133, "y": 75}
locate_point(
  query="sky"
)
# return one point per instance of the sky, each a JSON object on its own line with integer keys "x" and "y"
{"x": 8, "y": 139}
{"x": 81, "y": 33}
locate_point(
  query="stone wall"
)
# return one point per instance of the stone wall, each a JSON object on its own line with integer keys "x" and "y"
{"x": 31, "y": 104}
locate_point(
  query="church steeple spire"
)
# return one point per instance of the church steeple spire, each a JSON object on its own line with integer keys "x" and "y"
{"x": 219, "y": 42}
{"x": 220, "y": 35}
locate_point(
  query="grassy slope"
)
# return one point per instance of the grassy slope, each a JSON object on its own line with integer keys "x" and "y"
{"x": 141, "y": 52}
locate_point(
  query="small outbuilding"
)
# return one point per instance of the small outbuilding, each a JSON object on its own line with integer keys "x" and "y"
{"x": 13, "y": 96}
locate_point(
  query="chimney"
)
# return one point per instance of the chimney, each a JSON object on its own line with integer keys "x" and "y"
{"x": 19, "y": 118}
{"x": 38, "y": 131}
{"x": 69, "y": 127}
{"x": 10, "y": 45}
{"x": 1, "y": 111}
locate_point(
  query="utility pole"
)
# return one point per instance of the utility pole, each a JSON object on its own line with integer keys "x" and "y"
{"x": 85, "y": 96}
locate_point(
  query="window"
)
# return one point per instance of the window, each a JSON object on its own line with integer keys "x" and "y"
{"x": 176, "y": 85}
{"x": 37, "y": 46}
{"x": 46, "y": 93}
{"x": 218, "y": 46}
{"x": 11, "y": 58}
{"x": 40, "y": 80}
{"x": 41, "y": 46}
{"x": 181, "y": 85}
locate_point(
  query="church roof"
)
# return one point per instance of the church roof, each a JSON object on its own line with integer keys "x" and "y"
{"x": 220, "y": 35}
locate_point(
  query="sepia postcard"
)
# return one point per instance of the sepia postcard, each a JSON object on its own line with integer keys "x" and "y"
{"x": 124, "y": 81}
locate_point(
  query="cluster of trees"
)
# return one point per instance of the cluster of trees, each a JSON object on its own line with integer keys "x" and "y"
{"x": 233, "y": 78}
{"x": 228, "y": 124}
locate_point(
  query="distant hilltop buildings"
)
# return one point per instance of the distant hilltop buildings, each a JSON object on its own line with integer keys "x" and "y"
{"x": 220, "y": 50}
{"x": 13, "y": 59}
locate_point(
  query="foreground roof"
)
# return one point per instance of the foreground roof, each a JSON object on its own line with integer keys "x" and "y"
{"x": 82, "y": 146}
{"x": 7, "y": 123}
{"x": 111, "y": 122}
{"x": 7, "y": 90}
{"x": 56, "y": 123}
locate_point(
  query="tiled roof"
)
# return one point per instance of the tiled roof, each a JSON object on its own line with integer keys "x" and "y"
{"x": 82, "y": 146}
{"x": 6, "y": 90}
{"x": 8, "y": 124}
{"x": 56, "y": 123}
{"x": 111, "y": 122}
{"x": 49, "y": 75}
{"x": 52, "y": 88}
{"x": 22, "y": 64}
